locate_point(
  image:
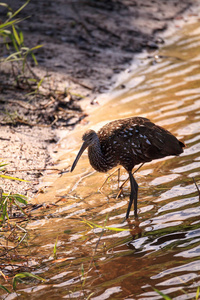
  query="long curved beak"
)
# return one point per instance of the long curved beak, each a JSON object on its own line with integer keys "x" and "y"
{"x": 83, "y": 147}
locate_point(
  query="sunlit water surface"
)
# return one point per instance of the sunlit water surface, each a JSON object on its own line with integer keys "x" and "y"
{"x": 161, "y": 252}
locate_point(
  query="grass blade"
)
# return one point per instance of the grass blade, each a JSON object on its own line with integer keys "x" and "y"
{"x": 34, "y": 58}
{"x": 20, "y": 276}
{"x": 55, "y": 249}
{"x": 4, "y": 214}
{"x": 197, "y": 294}
{"x": 10, "y": 23}
{"x": 20, "y": 198}
{"x": 5, "y": 289}
{"x": 21, "y": 36}
{"x": 36, "y": 47}
{"x": 13, "y": 178}
{"x": 92, "y": 225}
{"x": 4, "y": 4}
{"x": 17, "y": 11}
{"x": 16, "y": 35}
{"x": 163, "y": 295}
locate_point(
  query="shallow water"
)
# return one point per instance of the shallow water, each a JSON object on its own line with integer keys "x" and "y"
{"x": 162, "y": 251}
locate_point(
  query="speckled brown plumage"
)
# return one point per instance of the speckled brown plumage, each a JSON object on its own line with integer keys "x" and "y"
{"x": 128, "y": 142}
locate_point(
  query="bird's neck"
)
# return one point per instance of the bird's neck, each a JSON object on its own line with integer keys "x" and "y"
{"x": 97, "y": 158}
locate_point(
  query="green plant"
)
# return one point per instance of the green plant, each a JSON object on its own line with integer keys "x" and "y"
{"x": 168, "y": 298}
{"x": 5, "y": 289}
{"x": 55, "y": 249}
{"x": 7, "y": 204}
{"x": 8, "y": 200}
{"x": 93, "y": 225}
{"x": 2, "y": 165}
{"x": 17, "y": 52}
{"x": 19, "y": 278}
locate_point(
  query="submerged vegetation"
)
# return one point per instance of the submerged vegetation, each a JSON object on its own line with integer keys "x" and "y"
{"x": 196, "y": 297}
{"x": 11, "y": 233}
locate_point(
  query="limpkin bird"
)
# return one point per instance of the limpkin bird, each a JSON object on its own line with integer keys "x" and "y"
{"x": 128, "y": 142}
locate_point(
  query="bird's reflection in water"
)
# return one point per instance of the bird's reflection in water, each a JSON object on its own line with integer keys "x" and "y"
{"x": 134, "y": 227}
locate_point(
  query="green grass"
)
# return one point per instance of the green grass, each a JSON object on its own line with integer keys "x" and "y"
{"x": 9, "y": 200}
{"x": 169, "y": 298}
{"x": 20, "y": 278}
{"x": 15, "y": 50}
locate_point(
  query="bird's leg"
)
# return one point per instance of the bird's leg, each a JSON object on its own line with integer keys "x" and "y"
{"x": 118, "y": 176}
{"x": 100, "y": 189}
{"x": 133, "y": 195}
{"x": 127, "y": 180}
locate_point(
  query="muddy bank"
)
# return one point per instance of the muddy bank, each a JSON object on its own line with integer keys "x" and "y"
{"x": 88, "y": 41}
{"x": 85, "y": 44}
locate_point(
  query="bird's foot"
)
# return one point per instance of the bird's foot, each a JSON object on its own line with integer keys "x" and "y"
{"x": 136, "y": 222}
{"x": 123, "y": 220}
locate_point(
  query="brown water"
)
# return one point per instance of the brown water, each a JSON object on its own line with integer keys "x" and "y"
{"x": 163, "y": 250}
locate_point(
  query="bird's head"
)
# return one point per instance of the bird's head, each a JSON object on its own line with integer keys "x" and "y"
{"x": 89, "y": 138}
